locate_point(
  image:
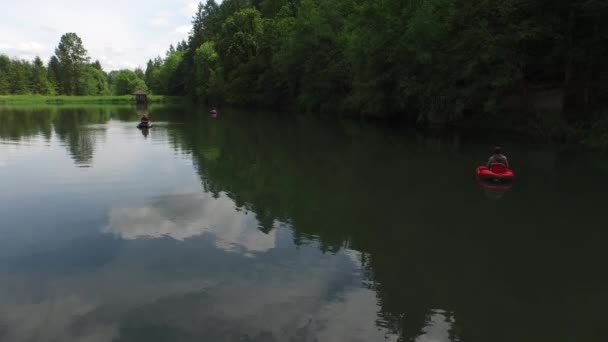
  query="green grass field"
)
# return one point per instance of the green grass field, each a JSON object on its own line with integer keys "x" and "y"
{"x": 125, "y": 99}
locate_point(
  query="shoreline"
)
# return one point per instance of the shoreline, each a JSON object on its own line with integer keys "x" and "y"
{"x": 86, "y": 99}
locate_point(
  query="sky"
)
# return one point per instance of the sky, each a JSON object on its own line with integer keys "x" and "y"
{"x": 120, "y": 34}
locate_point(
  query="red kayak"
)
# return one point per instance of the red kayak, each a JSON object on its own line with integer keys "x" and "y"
{"x": 496, "y": 173}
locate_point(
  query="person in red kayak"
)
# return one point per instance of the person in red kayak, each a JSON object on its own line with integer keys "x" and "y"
{"x": 498, "y": 158}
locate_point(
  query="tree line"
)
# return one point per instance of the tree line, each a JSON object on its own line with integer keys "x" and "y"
{"x": 416, "y": 59}
{"x": 68, "y": 72}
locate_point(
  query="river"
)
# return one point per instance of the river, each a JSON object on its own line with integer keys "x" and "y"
{"x": 260, "y": 227}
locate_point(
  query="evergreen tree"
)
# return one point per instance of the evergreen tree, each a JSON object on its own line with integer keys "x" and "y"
{"x": 5, "y": 64}
{"x": 54, "y": 73}
{"x": 40, "y": 83}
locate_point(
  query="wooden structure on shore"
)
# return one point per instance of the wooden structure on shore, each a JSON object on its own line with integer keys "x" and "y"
{"x": 141, "y": 96}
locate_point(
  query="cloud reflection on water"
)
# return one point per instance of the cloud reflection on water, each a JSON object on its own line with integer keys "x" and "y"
{"x": 191, "y": 290}
{"x": 183, "y": 216}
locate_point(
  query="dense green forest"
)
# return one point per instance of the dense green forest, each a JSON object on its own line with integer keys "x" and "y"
{"x": 418, "y": 60}
{"x": 534, "y": 66}
{"x": 68, "y": 72}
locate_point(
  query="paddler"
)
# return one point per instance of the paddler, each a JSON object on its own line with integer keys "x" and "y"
{"x": 498, "y": 158}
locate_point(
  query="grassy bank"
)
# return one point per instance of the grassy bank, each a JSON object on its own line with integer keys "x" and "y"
{"x": 125, "y": 99}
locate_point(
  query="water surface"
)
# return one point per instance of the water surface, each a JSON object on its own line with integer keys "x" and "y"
{"x": 253, "y": 227}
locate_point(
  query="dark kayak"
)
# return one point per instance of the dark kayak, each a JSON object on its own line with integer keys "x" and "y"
{"x": 143, "y": 125}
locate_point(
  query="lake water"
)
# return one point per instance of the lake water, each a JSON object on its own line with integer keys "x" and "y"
{"x": 257, "y": 227}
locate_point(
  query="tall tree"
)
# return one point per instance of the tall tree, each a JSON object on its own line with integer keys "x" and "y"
{"x": 149, "y": 74}
{"x": 239, "y": 45}
{"x": 152, "y": 75}
{"x": 169, "y": 81}
{"x": 72, "y": 58}
{"x": 204, "y": 26}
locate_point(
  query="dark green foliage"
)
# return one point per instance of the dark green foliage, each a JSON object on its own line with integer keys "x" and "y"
{"x": 312, "y": 57}
{"x": 40, "y": 82}
{"x": 92, "y": 81}
{"x": 72, "y": 58}
{"x": 125, "y": 82}
{"x": 204, "y": 28}
{"x": 151, "y": 75}
{"x": 169, "y": 78}
{"x": 207, "y": 78}
{"x": 5, "y": 65}
{"x": 435, "y": 61}
{"x": 97, "y": 65}
{"x": 239, "y": 46}
{"x": 418, "y": 60}
{"x": 20, "y": 77}
{"x": 140, "y": 73}
{"x": 53, "y": 72}
{"x": 68, "y": 73}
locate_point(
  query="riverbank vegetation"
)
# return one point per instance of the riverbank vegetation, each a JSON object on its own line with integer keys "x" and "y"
{"x": 438, "y": 61}
{"x": 69, "y": 72}
{"x": 65, "y": 99}
{"x": 535, "y": 67}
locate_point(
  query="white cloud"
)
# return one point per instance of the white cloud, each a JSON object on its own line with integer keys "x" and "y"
{"x": 126, "y": 33}
{"x": 161, "y": 19}
{"x": 115, "y": 51}
{"x": 49, "y": 29}
{"x": 182, "y": 30}
{"x": 23, "y": 50}
{"x": 189, "y": 8}
{"x": 30, "y": 47}
{"x": 158, "y": 22}
{"x": 128, "y": 65}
